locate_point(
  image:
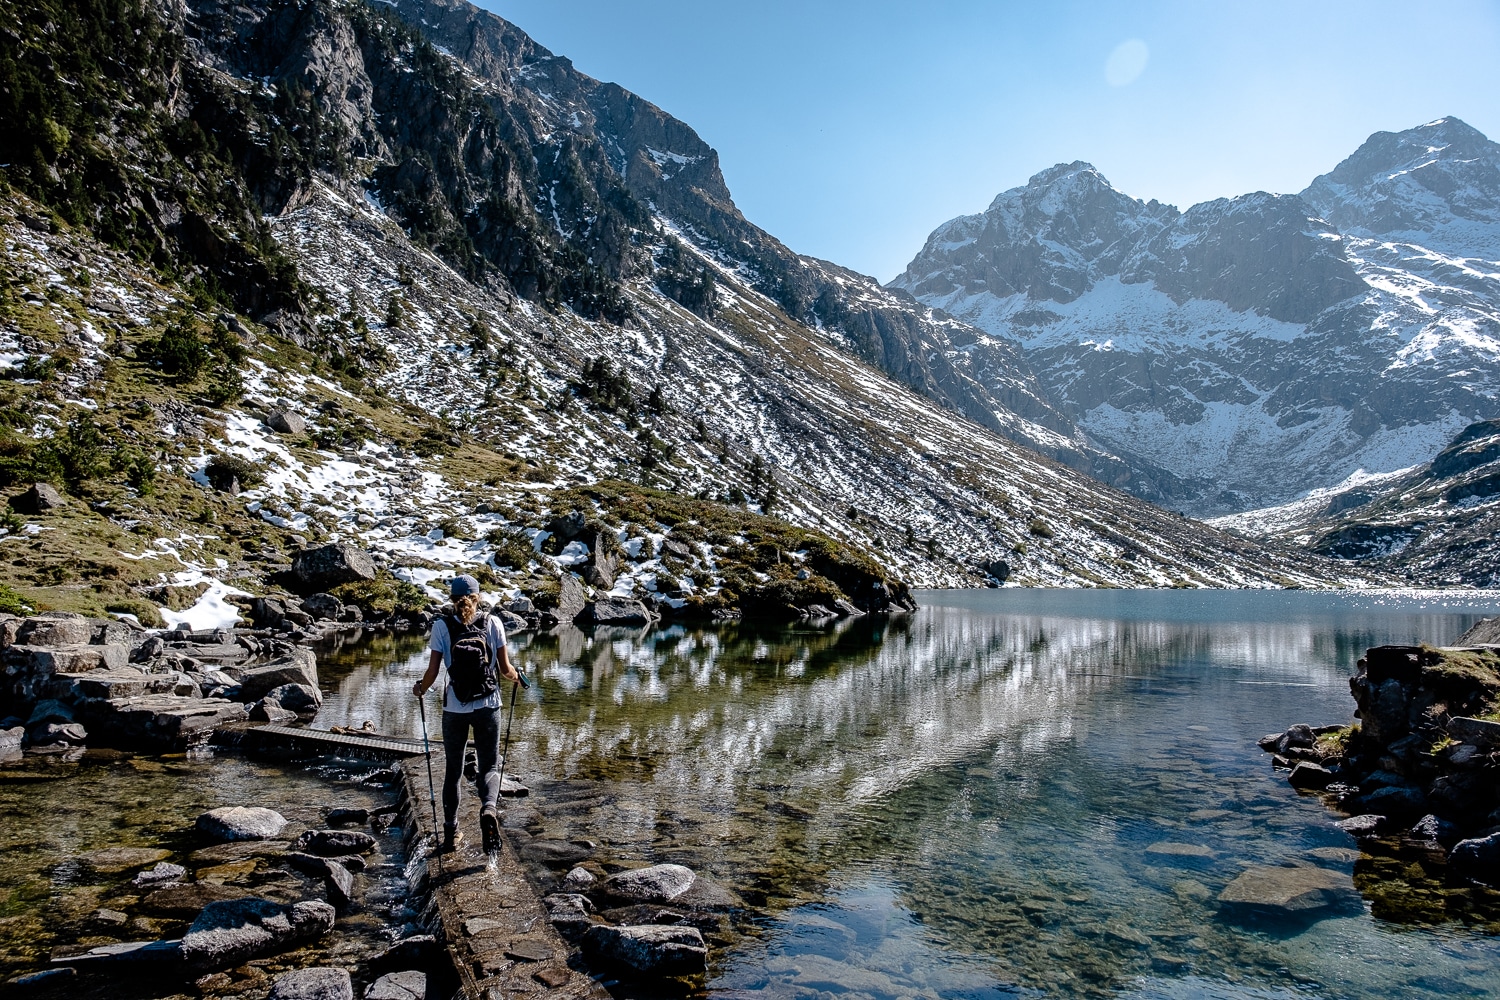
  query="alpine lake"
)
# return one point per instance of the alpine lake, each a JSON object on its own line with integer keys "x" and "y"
{"x": 1008, "y": 793}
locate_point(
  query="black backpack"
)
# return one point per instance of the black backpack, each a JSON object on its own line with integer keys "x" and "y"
{"x": 471, "y": 662}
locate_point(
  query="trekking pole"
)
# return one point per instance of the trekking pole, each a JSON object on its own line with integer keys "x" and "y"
{"x": 427, "y": 746}
{"x": 521, "y": 682}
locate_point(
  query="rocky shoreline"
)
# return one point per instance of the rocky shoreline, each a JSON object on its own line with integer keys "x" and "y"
{"x": 1419, "y": 773}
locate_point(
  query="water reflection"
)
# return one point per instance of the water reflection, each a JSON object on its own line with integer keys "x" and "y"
{"x": 1007, "y": 791}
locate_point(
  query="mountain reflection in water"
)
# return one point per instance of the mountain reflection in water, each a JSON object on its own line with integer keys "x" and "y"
{"x": 1009, "y": 790}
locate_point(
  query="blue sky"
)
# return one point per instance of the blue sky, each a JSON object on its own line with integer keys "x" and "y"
{"x": 851, "y": 130}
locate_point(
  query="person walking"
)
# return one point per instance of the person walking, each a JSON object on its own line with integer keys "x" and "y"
{"x": 472, "y": 649}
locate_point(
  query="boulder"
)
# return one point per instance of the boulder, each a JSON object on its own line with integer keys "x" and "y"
{"x": 52, "y": 734}
{"x": 648, "y": 949}
{"x": 520, "y": 605}
{"x": 324, "y": 606}
{"x": 240, "y": 823}
{"x": 11, "y": 739}
{"x": 40, "y": 499}
{"x": 1363, "y": 826}
{"x": 271, "y": 712}
{"x": 845, "y": 609}
{"x": 619, "y": 611}
{"x": 298, "y": 698}
{"x": 1478, "y": 856}
{"x": 1309, "y": 775}
{"x": 409, "y": 985}
{"x": 285, "y": 422}
{"x": 571, "y": 598}
{"x": 1480, "y": 732}
{"x": 998, "y": 568}
{"x": 336, "y": 878}
{"x": 601, "y": 570}
{"x": 330, "y": 565}
{"x": 300, "y": 666}
{"x": 1300, "y": 735}
{"x": 331, "y": 843}
{"x": 577, "y": 880}
{"x": 1283, "y": 891}
{"x": 656, "y": 884}
{"x": 512, "y": 623}
{"x": 232, "y": 932}
{"x": 47, "y": 630}
{"x": 1432, "y": 832}
{"x": 313, "y": 984}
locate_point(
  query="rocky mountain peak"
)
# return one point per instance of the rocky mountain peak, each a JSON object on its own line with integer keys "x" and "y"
{"x": 1440, "y": 180}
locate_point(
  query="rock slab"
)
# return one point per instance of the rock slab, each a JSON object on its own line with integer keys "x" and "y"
{"x": 232, "y": 932}
{"x": 1287, "y": 891}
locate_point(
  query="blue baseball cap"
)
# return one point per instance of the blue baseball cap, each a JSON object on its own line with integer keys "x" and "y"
{"x": 462, "y": 586}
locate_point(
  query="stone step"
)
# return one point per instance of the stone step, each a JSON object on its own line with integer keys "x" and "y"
{"x": 113, "y": 685}
{"x": 158, "y": 721}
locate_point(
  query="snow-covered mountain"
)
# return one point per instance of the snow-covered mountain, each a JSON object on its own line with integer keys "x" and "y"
{"x": 1247, "y": 350}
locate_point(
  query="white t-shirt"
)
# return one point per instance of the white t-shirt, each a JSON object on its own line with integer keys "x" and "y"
{"x": 443, "y": 643}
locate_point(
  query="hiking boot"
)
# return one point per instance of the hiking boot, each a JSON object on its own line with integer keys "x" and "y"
{"x": 452, "y": 837}
{"x": 489, "y": 829}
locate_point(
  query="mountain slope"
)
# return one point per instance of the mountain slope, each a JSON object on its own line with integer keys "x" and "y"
{"x": 1434, "y": 524}
{"x": 1249, "y": 347}
{"x": 488, "y": 321}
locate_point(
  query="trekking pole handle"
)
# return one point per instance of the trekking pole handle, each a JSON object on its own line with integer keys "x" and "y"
{"x": 521, "y": 679}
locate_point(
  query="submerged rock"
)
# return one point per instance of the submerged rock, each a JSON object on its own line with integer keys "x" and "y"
{"x": 112, "y": 860}
{"x": 1477, "y": 856}
{"x": 331, "y": 843}
{"x": 1294, "y": 891}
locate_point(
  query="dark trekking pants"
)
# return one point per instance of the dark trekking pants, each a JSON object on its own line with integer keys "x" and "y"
{"x": 456, "y": 725}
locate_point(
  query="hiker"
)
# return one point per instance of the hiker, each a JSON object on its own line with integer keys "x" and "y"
{"x": 472, "y": 648}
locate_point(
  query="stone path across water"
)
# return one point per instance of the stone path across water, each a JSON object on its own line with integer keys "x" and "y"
{"x": 491, "y": 921}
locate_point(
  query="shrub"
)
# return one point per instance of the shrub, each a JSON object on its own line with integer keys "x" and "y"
{"x": 223, "y": 471}
{"x": 512, "y": 548}
{"x": 452, "y": 527}
{"x": 382, "y": 596}
{"x": 12, "y": 603}
{"x": 80, "y": 451}
{"x": 145, "y": 612}
{"x": 179, "y": 352}
{"x": 225, "y": 384}
{"x": 1039, "y": 528}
